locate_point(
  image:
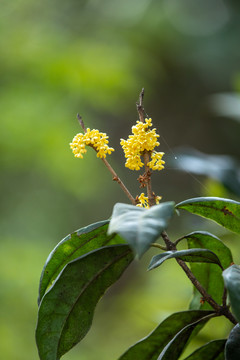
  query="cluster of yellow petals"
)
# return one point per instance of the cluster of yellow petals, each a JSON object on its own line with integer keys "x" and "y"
{"x": 143, "y": 200}
{"x": 156, "y": 163}
{"x": 94, "y": 138}
{"x": 142, "y": 139}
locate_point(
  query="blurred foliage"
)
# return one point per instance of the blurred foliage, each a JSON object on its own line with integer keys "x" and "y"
{"x": 58, "y": 58}
{"x": 224, "y": 170}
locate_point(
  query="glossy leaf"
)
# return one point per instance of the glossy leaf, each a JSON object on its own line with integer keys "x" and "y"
{"x": 71, "y": 247}
{"x": 214, "y": 350}
{"x": 224, "y": 211}
{"x": 174, "y": 348}
{"x": 209, "y": 275}
{"x": 232, "y": 282}
{"x": 138, "y": 226}
{"x": 66, "y": 310}
{"x": 191, "y": 255}
{"x": 232, "y": 348}
{"x": 151, "y": 346}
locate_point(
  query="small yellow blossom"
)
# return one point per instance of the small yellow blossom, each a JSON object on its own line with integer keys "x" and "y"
{"x": 142, "y": 139}
{"x": 143, "y": 200}
{"x": 156, "y": 163}
{"x": 94, "y": 138}
{"x": 157, "y": 199}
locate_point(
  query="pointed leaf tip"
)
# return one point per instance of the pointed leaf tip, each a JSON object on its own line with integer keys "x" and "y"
{"x": 152, "y": 345}
{"x": 174, "y": 348}
{"x": 190, "y": 255}
{"x": 138, "y": 226}
{"x": 213, "y": 350}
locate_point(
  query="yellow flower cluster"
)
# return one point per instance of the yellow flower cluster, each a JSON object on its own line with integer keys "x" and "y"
{"x": 143, "y": 200}
{"x": 156, "y": 163}
{"x": 94, "y": 138}
{"x": 142, "y": 139}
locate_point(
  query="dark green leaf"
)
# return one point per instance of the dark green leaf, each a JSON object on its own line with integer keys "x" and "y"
{"x": 224, "y": 211}
{"x": 174, "y": 348}
{"x": 232, "y": 282}
{"x": 191, "y": 255}
{"x": 209, "y": 275}
{"x": 232, "y": 348}
{"x": 214, "y": 350}
{"x": 71, "y": 247}
{"x": 66, "y": 310}
{"x": 138, "y": 226}
{"x": 150, "y": 347}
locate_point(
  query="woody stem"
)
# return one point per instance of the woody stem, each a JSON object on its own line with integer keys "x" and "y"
{"x": 119, "y": 181}
{"x": 220, "y": 310}
{"x": 150, "y": 194}
{"x": 109, "y": 167}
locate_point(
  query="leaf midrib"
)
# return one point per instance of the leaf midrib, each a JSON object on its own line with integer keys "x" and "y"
{"x": 213, "y": 207}
{"x": 85, "y": 288}
{"x": 50, "y": 279}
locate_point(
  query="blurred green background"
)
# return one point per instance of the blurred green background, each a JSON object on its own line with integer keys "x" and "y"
{"x": 60, "y": 58}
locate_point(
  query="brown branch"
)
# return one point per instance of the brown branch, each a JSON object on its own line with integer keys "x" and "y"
{"x": 198, "y": 286}
{"x": 109, "y": 167}
{"x": 119, "y": 181}
{"x": 141, "y": 114}
{"x": 140, "y": 107}
{"x": 224, "y": 297}
{"x": 81, "y": 123}
{"x": 220, "y": 310}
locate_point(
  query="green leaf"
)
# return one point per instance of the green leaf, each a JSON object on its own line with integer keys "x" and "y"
{"x": 151, "y": 346}
{"x": 232, "y": 282}
{"x": 232, "y": 348}
{"x": 191, "y": 255}
{"x": 214, "y": 350}
{"x": 71, "y": 247}
{"x": 209, "y": 275}
{"x": 66, "y": 310}
{"x": 224, "y": 211}
{"x": 174, "y": 348}
{"x": 138, "y": 226}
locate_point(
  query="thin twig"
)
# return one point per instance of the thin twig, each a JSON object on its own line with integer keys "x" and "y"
{"x": 81, "y": 123}
{"x": 109, "y": 167}
{"x": 198, "y": 286}
{"x": 221, "y": 310}
{"x": 119, "y": 181}
{"x": 141, "y": 112}
{"x": 140, "y": 107}
{"x": 224, "y": 297}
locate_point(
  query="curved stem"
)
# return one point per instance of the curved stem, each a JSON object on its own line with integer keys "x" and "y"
{"x": 119, "y": 181}
{"x": 109, "y": 167}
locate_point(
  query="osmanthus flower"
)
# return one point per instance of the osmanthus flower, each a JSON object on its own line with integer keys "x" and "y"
{"x": 93, "y": 138}
{"x": 143, "y": 139}
{"x": 143, "y": 200}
